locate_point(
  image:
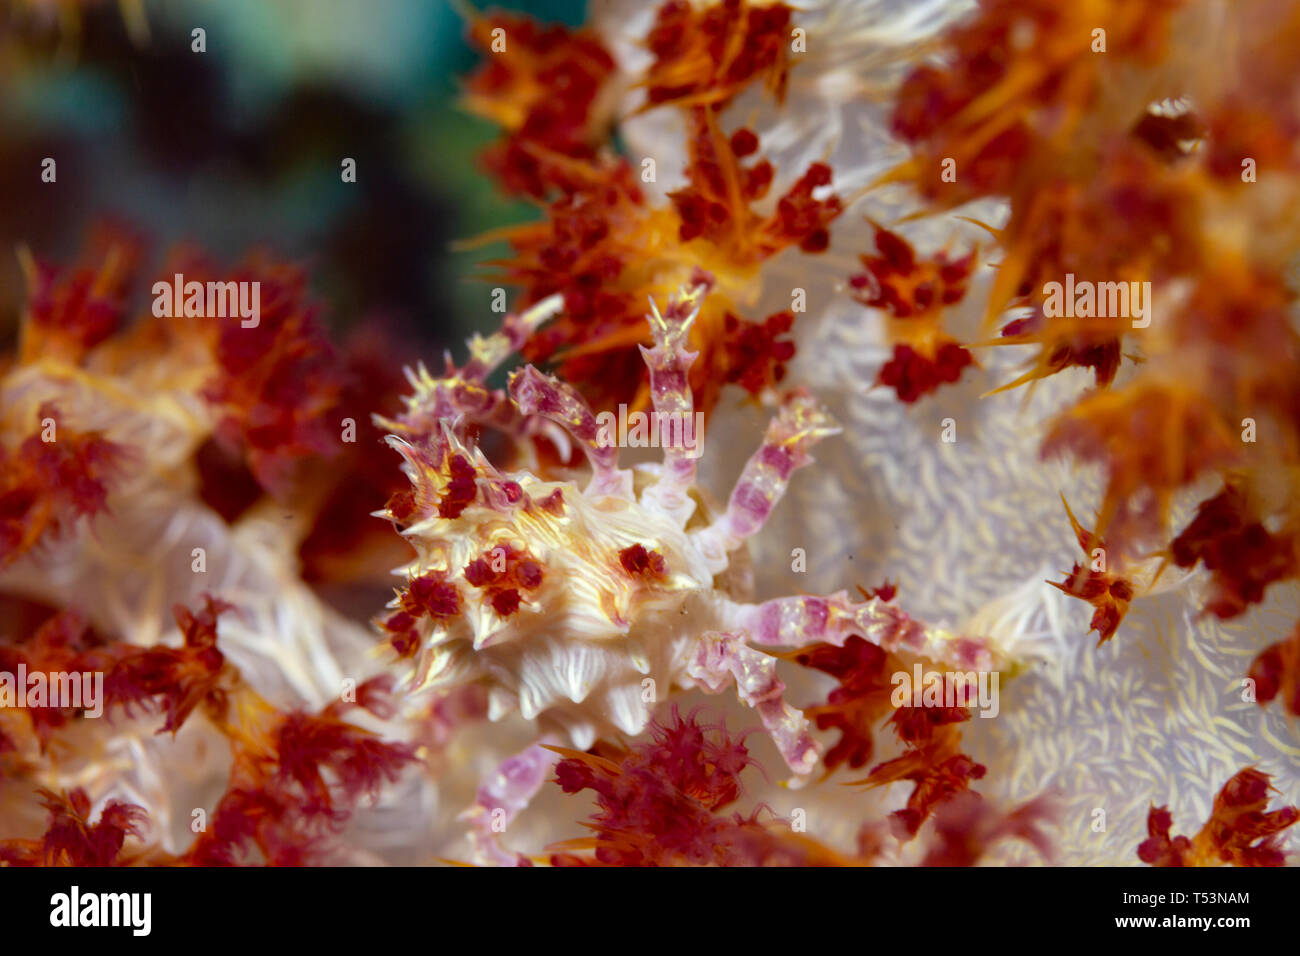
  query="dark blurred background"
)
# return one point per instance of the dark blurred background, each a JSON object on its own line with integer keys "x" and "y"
{"x": 241, "y": 146}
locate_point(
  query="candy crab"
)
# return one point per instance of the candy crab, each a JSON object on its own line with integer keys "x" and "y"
{"x": 580, "y": 608}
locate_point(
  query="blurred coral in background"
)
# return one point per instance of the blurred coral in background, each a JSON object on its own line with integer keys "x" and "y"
{"x": 407, "y": 418}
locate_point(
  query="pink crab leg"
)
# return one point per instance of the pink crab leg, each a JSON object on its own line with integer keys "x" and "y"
{"x": 721, "y": 657}
{"x": 797, "y": 621}
{"x": 545, "y": 395}
{"x": 800, "y": 424}
{"x": 501, "y": 797}
{"x": 487, "y": 353}
{"x": 462, "y": 394}
{"x": 670, "y": 363}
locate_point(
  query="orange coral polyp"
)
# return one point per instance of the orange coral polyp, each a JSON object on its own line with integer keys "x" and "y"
{"x": 543, "y": 88}
{"x": 55, "y": 476}
{"x": 932, "y": 762}
{"x": 1108, "y": 592}
{"x": 1240, "y": 830}
{"x": 1154, "y": 438}
{"x": 859, "y": 705}
{"x": 913, "y": 293}
{"x": 705, "y": 55}
{"x": 70, "y": 838}
{"x": 718, "y": 203}
{"x": 69, "y": 312}
{"x": 661, "y": 802}
{"x": 607, "y": 250}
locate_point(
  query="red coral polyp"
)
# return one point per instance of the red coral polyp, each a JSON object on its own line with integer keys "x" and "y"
{"x": 544, "y": 90}
{"x": 913, "y": 375}
{"x": 55, "y": 475}
{"x": 310, "y": 745}
{"x": 903, "y": 285}
{"x": 70, "y": 312}
{"x": 704, "y": 55}
{"x": 659, "y": 803}
{"x": 859, "y": 704}
{"x": 175, "y": 680}
{"x": 278, "y": 384}
{"x": 932, "y": 762}
{"x": 1276, "y": 673}
{"x": 1243, "y": 556}
{"x": 1240, "y": 831}
{"x": 756, "y": 355}
{"x": 71, "y": 839}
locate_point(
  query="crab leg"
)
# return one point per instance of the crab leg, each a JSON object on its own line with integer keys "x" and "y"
{"x": 800, "y": 424}
{"x": 670, "y": 363}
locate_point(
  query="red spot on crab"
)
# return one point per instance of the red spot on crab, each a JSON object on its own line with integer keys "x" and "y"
{"x": 432, "y": 595}
{"x": 529, "y": 574}
{"x": 502, "y": 573}
{"x": 462, "y": 488}
{"x": 401, "y": 505}
{"x": 886, "y": 592}
{"x": 505, "y": 601}
{"x": 553, "y": 503}
{"x": 404, "y": 639}
{"x": 639, "y": 562}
